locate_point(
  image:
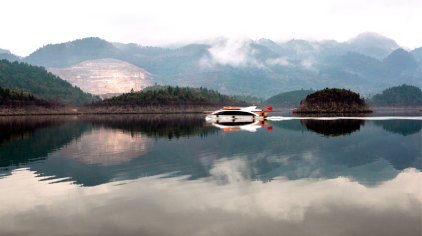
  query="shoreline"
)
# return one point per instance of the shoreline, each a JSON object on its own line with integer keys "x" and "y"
{"x": 111, "y": 110}
{"x": 149, "y": 110}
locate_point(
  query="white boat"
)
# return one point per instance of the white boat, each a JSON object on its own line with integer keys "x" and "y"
{"x": 237, "y": 114}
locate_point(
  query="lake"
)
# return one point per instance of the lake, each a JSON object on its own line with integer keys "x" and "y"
{"x": 178, "y": 175}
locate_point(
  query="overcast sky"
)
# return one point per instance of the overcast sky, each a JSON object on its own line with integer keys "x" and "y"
{"x": 27, "y": 24}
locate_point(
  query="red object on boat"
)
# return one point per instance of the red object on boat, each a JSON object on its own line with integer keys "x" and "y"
{"x": 270, "y": 108}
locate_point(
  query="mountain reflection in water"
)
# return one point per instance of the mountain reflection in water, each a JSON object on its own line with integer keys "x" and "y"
{"x": 116, "y": 147}
{"x": 92, "y": 150}
{"x": 178, "y": 175}
{"x": 399, "y": 127}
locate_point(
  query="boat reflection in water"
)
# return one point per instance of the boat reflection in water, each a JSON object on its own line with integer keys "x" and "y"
{"x": 250, "y": 126}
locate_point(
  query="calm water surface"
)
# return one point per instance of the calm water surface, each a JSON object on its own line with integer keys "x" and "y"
{"x": 177, "y": 175}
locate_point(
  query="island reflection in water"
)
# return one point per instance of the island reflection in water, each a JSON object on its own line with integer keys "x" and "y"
{"x": 333, "y": 127}
{"x": 159, "y": 175}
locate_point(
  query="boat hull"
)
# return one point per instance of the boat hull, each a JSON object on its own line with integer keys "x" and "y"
{"x": 233, "y": 118}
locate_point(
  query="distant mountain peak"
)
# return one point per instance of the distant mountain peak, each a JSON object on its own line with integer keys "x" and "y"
{"x": 298, "y": 41}
{"x": 374, "y": 39}
{"x": 400, "y": 60}
{"x": 90, "y": 39}
{"x": 369, "y": 35}
{"x": 63, "y": 54}
{"x": 85, "y": 42}
{"x": 400, "y": 51}
{"x": 6, "y": 54}
{"x": 4, "y": 51}
{"x": 265, "y": 40}
{"x": 372, "y": 44}
{"x": 417, "y": 53}
{"x": 400, "y": 54}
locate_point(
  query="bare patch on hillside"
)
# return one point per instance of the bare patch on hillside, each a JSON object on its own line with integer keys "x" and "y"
{"x": 105, "y": 76}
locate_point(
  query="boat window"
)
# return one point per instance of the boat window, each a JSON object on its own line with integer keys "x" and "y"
{"x": 234, "y": 113}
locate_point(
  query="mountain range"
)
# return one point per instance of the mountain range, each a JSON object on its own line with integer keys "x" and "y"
{"x": 367, "y": 64}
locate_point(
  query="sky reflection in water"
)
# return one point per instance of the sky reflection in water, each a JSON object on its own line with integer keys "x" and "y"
{"x": 178, "y": 176}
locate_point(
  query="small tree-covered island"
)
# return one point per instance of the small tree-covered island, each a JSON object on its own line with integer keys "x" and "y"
{"x": 333, "y": 100}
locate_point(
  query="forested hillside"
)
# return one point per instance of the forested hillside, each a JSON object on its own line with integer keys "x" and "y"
{"x": 291, "y": 98}
{"x": 168, "y": 95}
{"x": 42, "y": 84}
{"x": 403, "y": 95}
{"x": 10, "y": 94}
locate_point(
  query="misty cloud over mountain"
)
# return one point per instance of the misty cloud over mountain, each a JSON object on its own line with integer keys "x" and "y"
{"x": 367, "y": 63}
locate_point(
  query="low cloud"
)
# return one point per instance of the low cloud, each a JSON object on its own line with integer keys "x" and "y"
{"x": 230, "y": 171}
{"x": 308, "y": 63}
{"x": 236, "y": 53}
{"x": 242, "y": 53}
{"x": 280, "y": 61}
